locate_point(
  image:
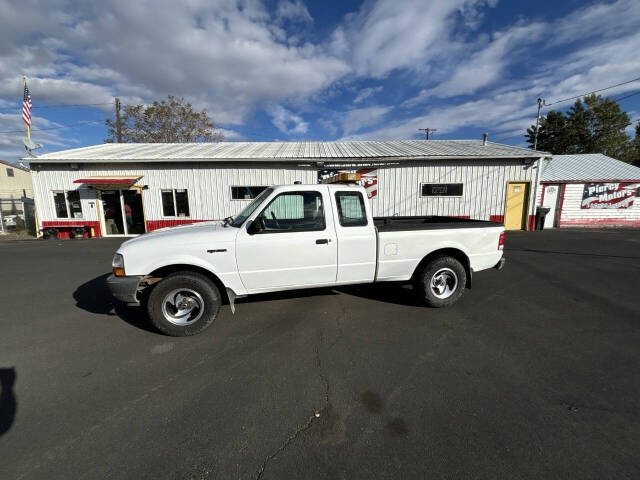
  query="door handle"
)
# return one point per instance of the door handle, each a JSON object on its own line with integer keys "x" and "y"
{"x": 320, "y": 241}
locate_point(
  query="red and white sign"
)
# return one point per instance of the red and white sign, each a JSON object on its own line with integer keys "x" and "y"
{"x": 608, "y": 195}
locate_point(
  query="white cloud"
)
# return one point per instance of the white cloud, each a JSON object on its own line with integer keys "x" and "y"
{"x": 231, "y": 135}
{"x": 287, "y": 121}
{"x": 400, "y": 34}
{"x": 358, "y": 118}
{"x": 294, "y": 11}
{"x": 366, "y": 93}
{"x": 231, "y": 56}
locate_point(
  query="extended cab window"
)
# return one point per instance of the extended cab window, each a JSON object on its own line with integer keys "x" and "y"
{"x": 351, "y": 209}
{"x": 294, "y": 212}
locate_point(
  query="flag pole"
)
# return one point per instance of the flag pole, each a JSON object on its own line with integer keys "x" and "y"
{"x": 24, "y": 84}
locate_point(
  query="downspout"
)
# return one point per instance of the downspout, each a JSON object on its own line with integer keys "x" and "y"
{"x": 535, "y": 190}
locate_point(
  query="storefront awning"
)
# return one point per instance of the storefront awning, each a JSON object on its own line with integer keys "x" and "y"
{"x": 108, "y": 180}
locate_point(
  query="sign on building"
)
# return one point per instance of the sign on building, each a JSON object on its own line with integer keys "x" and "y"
{"x": 368, "y": 178}
{"x": 608, "y": 195}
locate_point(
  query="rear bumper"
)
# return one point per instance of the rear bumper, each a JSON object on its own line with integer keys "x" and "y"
{"x": 124, "y": 289}
{"x": 500, "y": 264}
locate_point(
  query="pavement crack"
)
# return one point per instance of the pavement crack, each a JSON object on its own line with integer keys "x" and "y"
{"x": 286, "y": 443}
{"x": 310, "y": 421}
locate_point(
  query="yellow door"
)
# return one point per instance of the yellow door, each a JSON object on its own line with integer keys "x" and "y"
{"x": 515, "y": 211}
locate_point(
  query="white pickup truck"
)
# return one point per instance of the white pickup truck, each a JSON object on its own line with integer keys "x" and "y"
{"x": 297, "y": 236}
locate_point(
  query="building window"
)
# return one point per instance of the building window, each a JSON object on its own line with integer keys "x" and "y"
{"x": 246, "y": 193}
{"x": 175, "y": 203}
{"x": 351, "y": 211}
{"x": 442, "y": 189}
{"x": 10, "y": 172}
{"x": 67, "y": 204}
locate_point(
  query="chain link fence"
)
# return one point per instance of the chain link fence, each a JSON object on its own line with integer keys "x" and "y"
{"x": 17, "y": 217}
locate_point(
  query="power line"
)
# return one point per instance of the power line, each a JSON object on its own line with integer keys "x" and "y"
{"x": 589, "y": 93}
{"x": 84, "y": 122}
{"x": 62, "y": 105}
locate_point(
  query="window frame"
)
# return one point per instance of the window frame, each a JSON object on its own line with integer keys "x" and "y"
{"x": 295, "y": 192}
{"x": 264, "y": 187}
{"x": 175, "y": 203}
{"x": 339, "y": 208}
{"x": 65, "y": 194}
{"x": 11, "y": 172}
{"x": 422, "y": 185}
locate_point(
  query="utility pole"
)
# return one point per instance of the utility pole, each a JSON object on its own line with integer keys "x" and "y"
{"x": 541, "y": 103}
{"x": 118, "y": 125}
{"x": 427, "y": 131}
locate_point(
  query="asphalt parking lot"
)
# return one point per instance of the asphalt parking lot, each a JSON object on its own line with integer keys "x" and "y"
{"x": 535, "y": 373}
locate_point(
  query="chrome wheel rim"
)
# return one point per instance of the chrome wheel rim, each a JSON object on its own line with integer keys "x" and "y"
{"x": 444, "y": 283}
{"x": 182, "y": 306}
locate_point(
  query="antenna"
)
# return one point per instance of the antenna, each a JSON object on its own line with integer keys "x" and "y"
{"x": 30, "y": 146}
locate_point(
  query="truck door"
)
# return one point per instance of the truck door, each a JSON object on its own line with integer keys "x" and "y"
{"x": 357, "y": 237}
{"x": 297, "y": 246}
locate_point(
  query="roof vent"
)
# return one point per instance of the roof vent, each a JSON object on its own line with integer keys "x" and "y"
{"x": 484, "y": 138}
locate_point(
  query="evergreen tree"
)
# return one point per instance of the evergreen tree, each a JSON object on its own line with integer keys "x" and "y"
{"x": 592, "y": 125}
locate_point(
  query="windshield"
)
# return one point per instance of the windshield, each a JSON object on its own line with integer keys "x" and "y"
{"x": 239, "y": 219}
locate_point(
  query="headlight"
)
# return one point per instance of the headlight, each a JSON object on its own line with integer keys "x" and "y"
{"x": 118, "y": 265}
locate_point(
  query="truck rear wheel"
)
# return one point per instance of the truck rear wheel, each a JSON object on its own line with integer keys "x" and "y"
{"x": 183, "y": 303}
{"x": 441, "y": 282}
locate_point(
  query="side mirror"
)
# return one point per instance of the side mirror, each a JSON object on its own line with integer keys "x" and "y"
{"x": 256, "y": 226}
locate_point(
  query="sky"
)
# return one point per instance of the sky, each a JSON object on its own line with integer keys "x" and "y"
{"x": 311, "y": 70}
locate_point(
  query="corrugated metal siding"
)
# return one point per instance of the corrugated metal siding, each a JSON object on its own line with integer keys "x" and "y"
{"x": 209, "y": 186}
{"x": 572, "y": 214}
{"x": 399, "y": 188}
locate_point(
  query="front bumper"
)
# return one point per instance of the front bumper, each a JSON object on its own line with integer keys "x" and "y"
{"x": 500, "y": 264}
{"x": 125, "y": 289}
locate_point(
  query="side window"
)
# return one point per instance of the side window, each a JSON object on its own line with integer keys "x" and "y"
{"x": 168, "y": 208}
{"x": 10, "y": 172}
{"x": 351, "y": 209}
{"x": 294, "y": 212}
{"x": 175, "y": 203}
{"x": 182, "y": 203}
{"x": 60, "y": 205}
{"x": 246, "y": 193}
{"x": 73, "y": 200}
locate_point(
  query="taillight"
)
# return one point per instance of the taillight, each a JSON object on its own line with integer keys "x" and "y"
{"x": 501, "y": 241}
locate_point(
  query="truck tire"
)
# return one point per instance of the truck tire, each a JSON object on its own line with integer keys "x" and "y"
{"x": 183, "y": 303}
{"x": 441, "y": 282}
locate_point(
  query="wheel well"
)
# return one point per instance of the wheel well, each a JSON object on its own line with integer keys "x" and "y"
{"x": 447, "y": 252}
{"x": 169, "y": 269}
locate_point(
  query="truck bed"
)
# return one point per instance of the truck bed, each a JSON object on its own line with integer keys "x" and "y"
{"x": 394, "y": 224}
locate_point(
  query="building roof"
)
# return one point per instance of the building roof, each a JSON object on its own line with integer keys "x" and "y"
{"x": 587, "y": 167}
{"x": 13, "y": 165}
{"x": 288, "y": 151}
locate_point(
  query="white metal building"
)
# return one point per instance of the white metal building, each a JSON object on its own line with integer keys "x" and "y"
{"x": 589, "y": 190}
{"x": 120, "y": 189}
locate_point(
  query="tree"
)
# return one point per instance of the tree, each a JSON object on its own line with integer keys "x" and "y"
{"x": 169, "y": 121}
{"x": 592, "y": 125}
{"x": 553, "y": 133}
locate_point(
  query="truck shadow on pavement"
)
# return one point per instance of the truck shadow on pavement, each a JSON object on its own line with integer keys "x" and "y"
{"x": 8, "y": 402}
{"x": 387, "y": 292}
{"x": 94, "y": 297}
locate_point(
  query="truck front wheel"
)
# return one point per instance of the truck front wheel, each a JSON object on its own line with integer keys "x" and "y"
{"x": 183, "y": 303}
{"x": 441, "y": 282}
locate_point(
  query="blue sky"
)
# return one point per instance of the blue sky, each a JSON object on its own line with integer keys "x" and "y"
{"x": 312, "y": 70}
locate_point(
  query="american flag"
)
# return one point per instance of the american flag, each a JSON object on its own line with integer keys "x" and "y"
{"x": 26, "y": 106}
